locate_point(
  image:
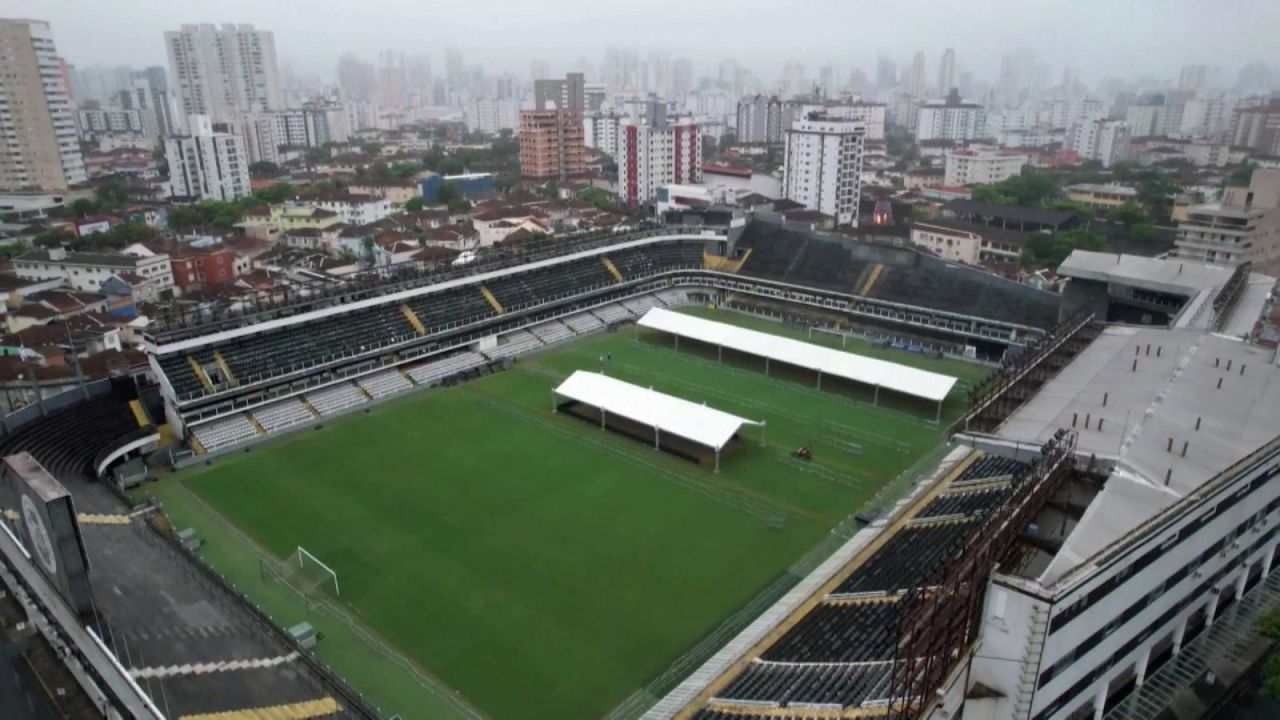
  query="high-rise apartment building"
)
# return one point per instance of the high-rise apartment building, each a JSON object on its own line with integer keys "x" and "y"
{"x": 764, "y": 119}
{"x": 602, "y": 131}
{"x": 1106, "y": 141}
{"x": 655, "y": 153}
{"x": 552, "y": 144}
{"x": 823, "y": 166}
{"x": 915, "y": 78}
{"x": 223, "y": 72}
{"x": 1257, "y": 128}
{"x": 950, "y": 119}
{"x": 37, "y": 120}
{"x": 947, "y": 72}
{"x": 209, "y": 163}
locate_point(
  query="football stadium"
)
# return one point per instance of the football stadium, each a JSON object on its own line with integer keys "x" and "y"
{"x": 713, "y": 468}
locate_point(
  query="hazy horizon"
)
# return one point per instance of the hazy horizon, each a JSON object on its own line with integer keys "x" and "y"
{"x": 1099, "y": 39}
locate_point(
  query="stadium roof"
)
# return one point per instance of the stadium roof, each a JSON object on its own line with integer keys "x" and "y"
{"x": 879, "y": 373}
{"x": 669, "y": 414}
{"x": 1180, "y": 407}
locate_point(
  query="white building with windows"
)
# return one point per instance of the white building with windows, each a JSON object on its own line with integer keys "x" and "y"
{"x": 601, "y": 131}
{"x": 208, "y": 164}
{"x": 493, "y": 115}
{"x": 354, "y": 209}
{"x": 871, "y": 115}
{"x": 1106, "y": 141}
{"x": 86, "y": 271}
{"x": 981, "y": 165}
{"x": 950, "y": 119}
{"x": 223, "y": 72}
{"x": 37, "y": 119}
{"x": 659, "y": 152}
{"x": 822, "y": 168}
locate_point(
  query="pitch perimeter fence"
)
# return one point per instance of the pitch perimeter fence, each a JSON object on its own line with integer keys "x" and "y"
{"x": 271, "y": 571}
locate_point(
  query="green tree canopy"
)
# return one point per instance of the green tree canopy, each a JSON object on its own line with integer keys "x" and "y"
{"x": 111, "y": 194}
{"x": 263, "y": 167}
{"x": 448, "y": 193}
{"x": 414, "y": 204}
{"x": 1128, "y": 215}
{"x": 602, "y": 199}
{"x": 1050, "y": 249}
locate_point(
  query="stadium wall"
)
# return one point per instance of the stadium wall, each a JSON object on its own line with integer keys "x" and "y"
{"x": 1094, "y": 631}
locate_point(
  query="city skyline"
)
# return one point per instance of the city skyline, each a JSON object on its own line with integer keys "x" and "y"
{"x": 1184, "y": 33}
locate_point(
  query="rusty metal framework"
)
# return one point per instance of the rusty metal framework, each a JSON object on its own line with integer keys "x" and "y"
{"x": 942, "y": 616}
{"x": 1006, "y": 388}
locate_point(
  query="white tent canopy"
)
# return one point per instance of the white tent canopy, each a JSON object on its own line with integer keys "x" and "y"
{"x": 666, "y": 413}
{"x": 827, "y": 361}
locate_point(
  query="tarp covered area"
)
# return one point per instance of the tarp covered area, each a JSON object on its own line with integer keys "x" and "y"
{"x": 828, "y": 361}
{"x": 669, "y": 414}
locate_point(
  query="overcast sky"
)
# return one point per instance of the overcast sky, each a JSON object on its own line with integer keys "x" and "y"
{"x": 1101, "y": 38}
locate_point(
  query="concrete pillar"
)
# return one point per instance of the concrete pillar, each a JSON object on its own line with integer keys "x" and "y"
{"x": 1140, "y": 666}
{"x": 1242, "y": 580}
{"x": 1212, "y": 608}
{"x": 1267, "y": 558}
{"x": 1100, "y": 703}
{"x": 655, "y": 437}
{"x": 876, "y": 400}
{"x": 602, "y": 413}
{"x": 1179, "y": 633}
{"x": 819, "y": 379}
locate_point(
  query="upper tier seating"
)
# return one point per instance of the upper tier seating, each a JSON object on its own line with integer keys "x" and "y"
{"x": 837, "y": 684}
{"x": 907, "y": 559}
{"x": 988, "y": 467}
{"x": 276, "y": 352}
{"x": 964, "y": 503}
{"x": 67, "y": 441}
{"x": 861, "y": 632}
{"x": 904, "y": 277}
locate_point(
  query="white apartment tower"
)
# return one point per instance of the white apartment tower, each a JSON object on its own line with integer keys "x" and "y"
{"x": 823, "y": 166}
{"x": 602, "y": 131}
{"x": 208, "y": 164}
{"x": 1106, "y": 141}
{"x": 950, "y": 119}
{"x": 223, "y": 72}
{"x": 37, "y": 120}
{"x": 658, "y": 153}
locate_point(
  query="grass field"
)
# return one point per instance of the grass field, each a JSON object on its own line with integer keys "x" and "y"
{"x": 539, "y": 566}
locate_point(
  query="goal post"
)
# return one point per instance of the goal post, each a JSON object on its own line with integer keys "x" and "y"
{"x": 314, "y": 571}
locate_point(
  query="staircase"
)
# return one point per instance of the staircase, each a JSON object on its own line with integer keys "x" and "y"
{"x": 256, "y": 425}
{"x": 1030, "y": 667}
{"x": 613, "y": 269}
{"x": 493, "y": 301}
{"x": 310, "y": 408}
{"x": 865, "y": 290}
{"x": 412, "y": 317}
{"x": 199, "y": 371}
{"x": 139, "y": 413}
{"x": 226, "y": 369}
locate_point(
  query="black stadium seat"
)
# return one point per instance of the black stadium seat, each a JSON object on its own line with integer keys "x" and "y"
{"x": 67, "y": 441}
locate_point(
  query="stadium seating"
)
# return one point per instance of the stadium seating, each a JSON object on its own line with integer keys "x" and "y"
{"x": 636, "y": 263}
{"x": 553, "y": 332}
{"x": 613, "y": 313}
{"x": 835, "y": 684}
{"x": 641, "y": 305}
{"x": 67, "y": 441}
{"x": 987, "y": 467}
{"x": 907, "y": 559}
{"x": 964, "y": 503}
{"x": 433, "y": 372}
{"x": 860, "y": 632}
{"x": 224, "y": 432}
{"x": 583, "y": 323}
{"x": 336, "y": 398}
{"x": 516, "y": 343}
{"x": 282, "y": 415}
{"x": 382, "y": 384}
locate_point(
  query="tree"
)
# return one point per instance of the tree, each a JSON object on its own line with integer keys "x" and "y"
{"x": 1128, "y": 215}
{"x": 270, "y": 195}
{"x": 602, "y": 199}
{"x": 1033, "y": 188}
{"x": 991, "y": 194}
{"x": 112, "y": 194}
{"x": 55, "y": 237}
{"x": 83, "y": 207}
{"x": 414, "y": 204}
{"x": 459, "y": 205}
{"x": 448, "y": 193}
{"x": 403, "y": 169}
{"x": 1049, "y": 250}
{"x": 1269, "y": 626}
{"x": 1143, "y": 233}
{"x": 205, "y": 215}
{"x": 264, "y": 167}
{"x": 372, "y": 148}
{"x": 1075, "y": 206}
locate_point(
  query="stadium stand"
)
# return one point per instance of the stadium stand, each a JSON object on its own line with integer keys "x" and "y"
{"x": 857, "y": 632}
{"x": 553, "y": 332}
{"x": 909, "y": 556}
{"x": 906, "y": 277}
{"x": 282, "y": 415}
{"x": 613, "y": 313}
{"x": 641, "y": 305}
{"x": 513, "y": 344}
{"x": 66, "y": 441}
{"x": 336, "y": 398}
{"x": 385, "y": 383}
{"x": 964, "y": 503}
{"x": 439, "y": 369}
{"x": 224, "y": 432}
{"x": 584, "y": 323}
{"x": 987, "y": 467}
{"x": 826, "y": 684}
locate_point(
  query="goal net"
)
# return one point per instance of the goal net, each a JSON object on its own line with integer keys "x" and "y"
{"x": 309, "y": 574}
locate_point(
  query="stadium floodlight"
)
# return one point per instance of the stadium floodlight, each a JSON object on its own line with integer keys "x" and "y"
{"x": 312, "y": 571}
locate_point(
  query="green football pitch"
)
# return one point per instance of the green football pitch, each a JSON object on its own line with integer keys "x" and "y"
{"x": 536, "y": 565}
